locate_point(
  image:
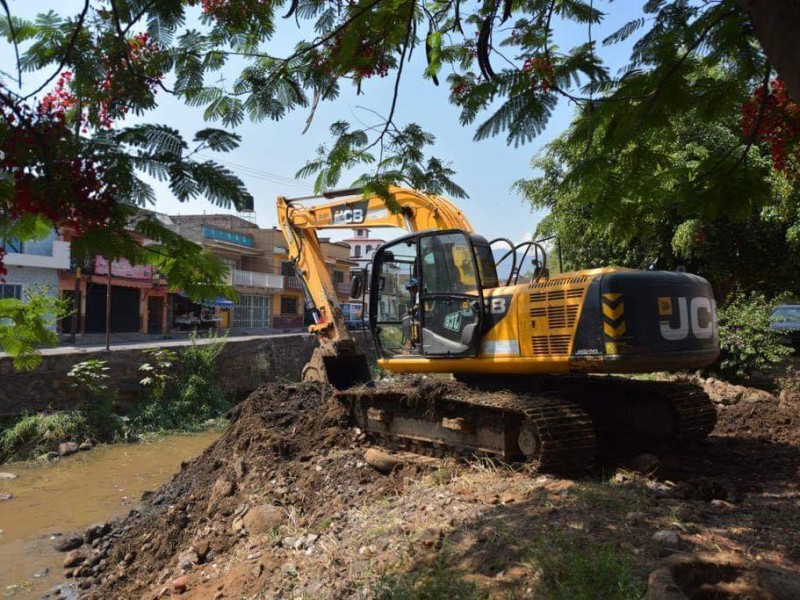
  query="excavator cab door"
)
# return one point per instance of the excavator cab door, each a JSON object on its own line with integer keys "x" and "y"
{"x": 426, "y": 297}
{"x": 450, "y": 295}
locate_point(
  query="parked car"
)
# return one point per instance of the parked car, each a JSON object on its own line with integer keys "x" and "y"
{"x": 786, "y": 320}
{"x": 357, "y": 324}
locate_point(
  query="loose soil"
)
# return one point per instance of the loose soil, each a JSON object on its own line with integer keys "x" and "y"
{"x": 284, "y": 505}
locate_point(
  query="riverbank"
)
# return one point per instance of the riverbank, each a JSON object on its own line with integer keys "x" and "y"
{"x": 289, "y": 503}
{"x": 73, "y": 493}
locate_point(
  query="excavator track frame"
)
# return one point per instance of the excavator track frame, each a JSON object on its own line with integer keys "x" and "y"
{"x": 553, "y": 427}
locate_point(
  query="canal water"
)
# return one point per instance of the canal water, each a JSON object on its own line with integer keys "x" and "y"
{"x": 71, "y": 494}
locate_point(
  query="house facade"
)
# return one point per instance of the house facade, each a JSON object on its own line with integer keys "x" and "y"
{"x": 34, "y": 266}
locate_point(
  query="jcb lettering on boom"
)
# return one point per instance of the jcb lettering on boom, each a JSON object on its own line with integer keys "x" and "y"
{"x": 696, "y": 316}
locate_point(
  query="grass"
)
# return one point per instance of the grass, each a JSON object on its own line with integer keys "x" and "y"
{"x": 437, "y": 583}
{"x": 573, "y": 566}
{"x": 34, "y": 434}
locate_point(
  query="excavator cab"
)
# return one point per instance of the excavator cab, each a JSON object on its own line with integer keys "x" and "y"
{"x": 426, "y": 294}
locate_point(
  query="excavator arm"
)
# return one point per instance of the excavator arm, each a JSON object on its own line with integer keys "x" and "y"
{"x": 337, "y": 360}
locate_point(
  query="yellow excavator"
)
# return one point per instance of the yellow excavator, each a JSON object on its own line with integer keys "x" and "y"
{"x": 535, "y": 356}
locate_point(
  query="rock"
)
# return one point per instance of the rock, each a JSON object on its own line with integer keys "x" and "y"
{"x": 381, "y": 461}
{"x": 263, "y": 519}
{"x": 67, "y": 448}
{"x": 95, "y": 532}
{"x": 68, "y": 542}
{"x": 289, "y": 569}
{"x": 222, "y": 489}
{"x": 73, "y": 559}
{"x": 5, "y": 496}
{"x": 237, "y": 525}
{"x": 85, "y": 446}
{"x": 666, "y": 537}
{"x": 47, "y": 456}
{"x": 645, "y": 463}
{"x": 187, "y": 560}
{"x": 201, "y": 548}
{"x": 179, "y": 584}
{"x": 559, "y": 486}
{"x": 41, "y": 573}
{"x": 240, "y": 468}
{"x": 7, "y": 476}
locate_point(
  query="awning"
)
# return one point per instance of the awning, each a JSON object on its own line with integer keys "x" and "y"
{"x": 221, "y": 302}
{"x": 218, "y": 301}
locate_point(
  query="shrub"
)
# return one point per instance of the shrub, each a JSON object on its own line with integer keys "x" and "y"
{"x": 747, "y": 344}
{"x": 181, "y": 391}
{"x": 96, "y": 400}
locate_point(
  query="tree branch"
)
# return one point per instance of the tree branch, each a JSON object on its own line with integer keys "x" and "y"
{"x": 65, "y": 58}
{"x": 12, "y": 30}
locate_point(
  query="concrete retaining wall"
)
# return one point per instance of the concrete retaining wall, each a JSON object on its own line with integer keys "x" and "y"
{"x": 242, "y": 366}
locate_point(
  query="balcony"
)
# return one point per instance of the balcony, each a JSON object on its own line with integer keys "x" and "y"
{"x": 46, "y": 254}
{"x": 255, "y": 279}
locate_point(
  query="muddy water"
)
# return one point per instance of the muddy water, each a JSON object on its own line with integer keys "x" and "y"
{"x": 73, "y": 493}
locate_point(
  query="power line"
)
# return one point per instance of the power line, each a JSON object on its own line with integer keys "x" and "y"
{"x": 261, "y": 174}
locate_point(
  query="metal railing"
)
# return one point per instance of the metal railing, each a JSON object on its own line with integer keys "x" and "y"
{"x": 255, "y": 279}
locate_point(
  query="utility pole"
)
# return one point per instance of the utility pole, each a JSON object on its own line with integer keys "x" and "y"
{"x": 76, "y": 305}
{"x": 108, "y": 308}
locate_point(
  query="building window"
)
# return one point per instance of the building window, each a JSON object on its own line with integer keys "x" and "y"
{"x": 287, "y": 269}
{"x": 288, "y": 305}
{"x": 10, "y": 290}
{"x": 357, "y": 252}
{"x": 368, "y": 250}
{"x": 338, "y": 277}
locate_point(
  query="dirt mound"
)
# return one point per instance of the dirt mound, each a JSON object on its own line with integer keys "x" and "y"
{"x": 762, "y": 416}
{"x": 286, "y": 446}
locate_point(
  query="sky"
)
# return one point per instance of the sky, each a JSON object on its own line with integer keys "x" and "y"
{"x": 271, "y": 152}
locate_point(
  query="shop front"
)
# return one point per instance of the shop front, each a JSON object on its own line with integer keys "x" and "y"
{"x": 190, "y": 315}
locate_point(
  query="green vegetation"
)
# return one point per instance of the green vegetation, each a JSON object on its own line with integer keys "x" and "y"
{"x": 179, "y": 393}
{"x": 747, "y": 345}
{"x": 182, "y": 390}
{"x": 437, "y": 583}
{"x": 27, "y": 324}
{"x": 574, "y": 566}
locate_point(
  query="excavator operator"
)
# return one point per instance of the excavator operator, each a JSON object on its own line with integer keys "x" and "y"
{"x": 410, "y": 321}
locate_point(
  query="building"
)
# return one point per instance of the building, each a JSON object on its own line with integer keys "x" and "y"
{"x": 362, "y": 247}
{"x": 248, "y": 252}
{"x": 362, "y": 250}
{"x": 289, "y": 305}
{"x": 33, "y": 266}
{"x": 138, "y": 295}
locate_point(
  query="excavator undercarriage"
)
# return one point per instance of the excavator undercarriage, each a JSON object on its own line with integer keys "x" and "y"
{"x": 558, "y": 424}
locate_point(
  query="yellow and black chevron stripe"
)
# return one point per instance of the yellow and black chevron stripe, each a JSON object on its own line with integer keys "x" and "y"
{"x": 613, "y": 321}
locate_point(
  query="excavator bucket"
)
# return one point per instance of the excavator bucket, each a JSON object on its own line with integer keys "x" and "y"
{"x": 341, "y": 370}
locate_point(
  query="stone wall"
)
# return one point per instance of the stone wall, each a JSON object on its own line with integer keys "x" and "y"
{"x": 242, "y": 366}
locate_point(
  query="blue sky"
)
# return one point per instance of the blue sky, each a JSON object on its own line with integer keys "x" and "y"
{"x": 271, "y": 152}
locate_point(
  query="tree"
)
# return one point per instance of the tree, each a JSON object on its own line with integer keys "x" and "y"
{"x": 69, "y": 157}
{"x": 654, "y": 200}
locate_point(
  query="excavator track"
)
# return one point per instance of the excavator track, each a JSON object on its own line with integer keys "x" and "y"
{"x": 550, "y": 432}
{"x": 566, "y": 424}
